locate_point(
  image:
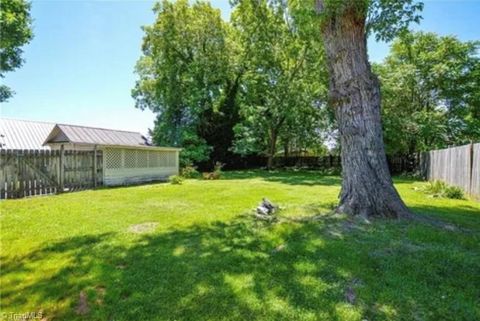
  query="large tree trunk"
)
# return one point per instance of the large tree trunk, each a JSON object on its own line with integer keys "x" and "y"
{"x": 367, "y": 187}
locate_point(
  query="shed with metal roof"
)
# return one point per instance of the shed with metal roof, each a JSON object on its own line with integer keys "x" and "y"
{"x": 128, "y": 157}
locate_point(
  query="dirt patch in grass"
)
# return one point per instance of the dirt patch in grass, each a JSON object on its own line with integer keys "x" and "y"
{"x": 143, "y": 227}
{"x": 82, "y": 306}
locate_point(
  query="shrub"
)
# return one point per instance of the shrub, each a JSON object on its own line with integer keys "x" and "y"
{"x": 442, "y": 189}
{"x": 454, "y": 192}
{"x": 189, "y": 171}
{"x": 175, "y": 179}
{"x": 435, "y": 188}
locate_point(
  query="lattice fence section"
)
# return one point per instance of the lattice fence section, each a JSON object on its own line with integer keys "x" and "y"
{"x": 163, "y": 160}
{"x": 130, "y": 158}
{"x": 171, "y": 159}
{"x": 154, "y": 159}
{"x": 116, "y": 158}
{"x": 142, "y": 158}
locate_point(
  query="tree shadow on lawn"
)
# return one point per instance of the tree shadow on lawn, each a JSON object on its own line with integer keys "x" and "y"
{"x": 465, "y": 215}
{"x": 298, "y": 177}
{"x": 291, "y": 177}
{"x": 243, "y": 270}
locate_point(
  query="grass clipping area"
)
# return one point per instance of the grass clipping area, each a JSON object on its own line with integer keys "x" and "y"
{"x": 195, "y": 252}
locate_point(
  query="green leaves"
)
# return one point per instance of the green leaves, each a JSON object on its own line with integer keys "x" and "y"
{"x": 184, "y": 74}
{"x": 430, "y": 91}
{"x": 388, "y": 19}
{"x": 284, "y": 77}
{"x": 15, "y": 31}
{"x": 218, "y": 86}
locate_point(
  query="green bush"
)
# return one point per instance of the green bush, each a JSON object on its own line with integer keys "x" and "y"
{"x": 442, "y": 189}
{"x": 175, "y": 179}
{"x": 435, "y": 188}
{"x": 189, "y": 172}
{"x": 454, "y": 192}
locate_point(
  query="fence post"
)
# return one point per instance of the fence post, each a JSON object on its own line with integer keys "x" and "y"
{"x": 18, "y": 174}
{"x": 95, "y": 166}
{"x": 470, "y": 186}
{"x": 61, "y": 165}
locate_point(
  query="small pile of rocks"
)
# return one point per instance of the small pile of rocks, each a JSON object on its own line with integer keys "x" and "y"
{"x": 265, "y": 210}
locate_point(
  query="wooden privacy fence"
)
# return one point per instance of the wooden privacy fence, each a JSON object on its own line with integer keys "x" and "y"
{"x": 458, "y": 166}
{"x": 475, "y": 180}
{"x": 37, "y": 172}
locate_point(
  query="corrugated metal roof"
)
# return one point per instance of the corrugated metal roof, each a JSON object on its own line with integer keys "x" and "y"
{"x": 24, "y": 134}
{"x": 95, "y": 136}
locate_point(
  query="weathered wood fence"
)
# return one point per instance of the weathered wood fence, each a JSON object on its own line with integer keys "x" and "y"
{"x": 36, "y": 172}
{"x": 458, "y": 166}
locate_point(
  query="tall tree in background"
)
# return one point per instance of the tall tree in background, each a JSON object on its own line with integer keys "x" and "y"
{"x": 283, "y": 88}
{"x": 430, "y": 92}
{"x": 15, "y": 31}
{"x": 220, "y": 88}
{"x": 189, "y": 79}
{"x": 367, "y": 186}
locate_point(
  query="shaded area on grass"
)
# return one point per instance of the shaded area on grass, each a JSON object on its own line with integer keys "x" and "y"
{"x": 242, "y": 269}
{"x": 291, "y": 177}
{"x": 463, "y": 215}
{"x": 80, "y": 256}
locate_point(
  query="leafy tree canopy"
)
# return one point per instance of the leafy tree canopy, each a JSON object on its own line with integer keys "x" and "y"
{"x": 186, "y": 76}
{"x": 240, "y": 86}
{"x": 431, "y": 92}
{"x": 15, "y": 31}
{"x": 284, "y": 87}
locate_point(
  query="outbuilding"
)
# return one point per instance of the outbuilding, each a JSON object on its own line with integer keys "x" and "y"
{"x": 128, "y": 157}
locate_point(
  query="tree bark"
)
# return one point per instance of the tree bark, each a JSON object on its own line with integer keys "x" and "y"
{"x": 367, "y": 186}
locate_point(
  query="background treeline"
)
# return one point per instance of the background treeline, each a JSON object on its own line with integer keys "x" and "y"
{"x": 258, "y": 84}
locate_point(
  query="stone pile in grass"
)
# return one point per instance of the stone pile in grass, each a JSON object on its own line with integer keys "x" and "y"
{"x": 266, "y": 210}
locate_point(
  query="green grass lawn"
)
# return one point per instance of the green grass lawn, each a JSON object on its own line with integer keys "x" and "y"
{"x": 80, "y": 256}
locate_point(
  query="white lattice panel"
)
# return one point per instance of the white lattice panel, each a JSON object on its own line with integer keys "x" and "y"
{"x": 154, "y": 159}
{"x": 128, "y": 165}
{"x": 171, "y": 159}
{"x": 142, "y": 158}
{"x": 113, "y": 158}
{"x": 163, "y": 159}
{"x": 130, "y": 158}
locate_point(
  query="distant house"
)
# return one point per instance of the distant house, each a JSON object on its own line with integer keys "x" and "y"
{"x": 128, "y": 157}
